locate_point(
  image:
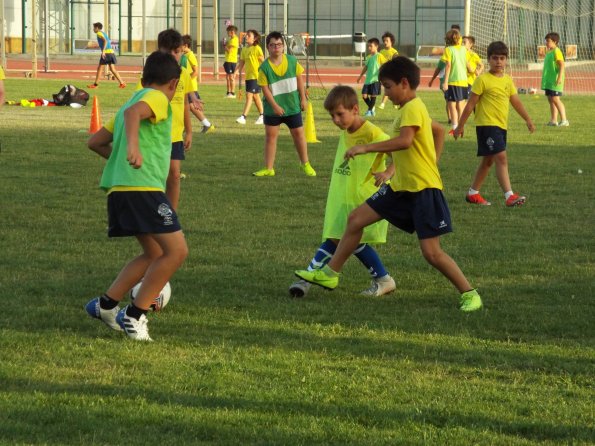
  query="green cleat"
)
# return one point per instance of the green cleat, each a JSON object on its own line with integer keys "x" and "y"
{"x": 470, "y": 301}
{"x": 264, "y": 173}
{"x": 308, "y": 169}
{"x": 325, "y": 277}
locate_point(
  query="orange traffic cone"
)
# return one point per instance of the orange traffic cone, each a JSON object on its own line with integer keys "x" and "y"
{"x": 309, "y": 127}
{"x": 95, "y": 117}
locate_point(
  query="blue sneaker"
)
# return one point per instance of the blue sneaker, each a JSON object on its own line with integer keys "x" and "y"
{"x": 108, "y": 317}
{"x": 369, "y": 113}
{"x": 136, "y": 329}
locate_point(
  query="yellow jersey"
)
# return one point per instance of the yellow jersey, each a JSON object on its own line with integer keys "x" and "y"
{"x": 2, "y": 76}
{"x": 473, "y": 60}
{"x": 494, "y": 97}
{"x": 389, "y": 53}
{"x": 252, "y": 57}
{"x": 231, "y": 49}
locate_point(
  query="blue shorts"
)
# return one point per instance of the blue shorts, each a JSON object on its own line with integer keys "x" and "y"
{"x": 110, "y": 59}
{"x": 425, "y": 212}
{"x": 252, "y": 86}
{"x": 142, "y": 212}
{"x": 456, "y": 94}
{"x": 229, "y": 67}
{"x": 292, "y": 121}
{"x": 372, "y": 89}
{"x": 552, "y": 92}
{"x": 491, "y": 139}
{"x": 177, "y": 151}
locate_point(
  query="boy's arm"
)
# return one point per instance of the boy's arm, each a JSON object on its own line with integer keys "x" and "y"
{"x": 239, "y": 67}
{"x": 561, "y": 66}
{"x": 382, "y": 177}
{"x": 438, "y": 135}
{"x": 446, "y": 73}
{"x": 302, "y": 91}
{"x": 471, "y": 103}
{"x": 479, "y": 68}
{"x": 434, "y": 76}
{"x": 266, "y": 91}
{"x": 362, "y": 73}
{"x": 401, "y": 142}
{"x": 187, "y": 126}
{"x": 133, "y": 115}
{"x": 520, "y": 109}
{"x": 103, "y": 39}
{"x": 101, "y": 142}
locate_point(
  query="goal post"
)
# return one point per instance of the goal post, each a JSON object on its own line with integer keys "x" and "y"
{"x": 523, "y": 24}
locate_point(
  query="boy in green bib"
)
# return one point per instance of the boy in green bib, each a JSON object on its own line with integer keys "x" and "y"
{"x": 352, "y": 183}
{"x": 552, "y": 80}
{"x": 137, "y": 146}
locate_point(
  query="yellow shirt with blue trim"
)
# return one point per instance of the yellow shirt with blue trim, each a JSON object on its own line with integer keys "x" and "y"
{"x": 494, "y": 97}
{"x": 252, "y": 57}
{"x": 473, "y": 60}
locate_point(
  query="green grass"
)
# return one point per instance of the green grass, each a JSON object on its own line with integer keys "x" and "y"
{"x": 235, "y": 360}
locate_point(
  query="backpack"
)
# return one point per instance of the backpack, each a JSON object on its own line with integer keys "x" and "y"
{"x": 69, "y": 94}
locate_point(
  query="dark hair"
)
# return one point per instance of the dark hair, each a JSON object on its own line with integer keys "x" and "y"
{"x": 98, "y": 25}
{"x": 554, "y": 37}
{"x": 341, "y": 95}
{"x": 187, "y": 40}
{"x": 452, "y": 37}
{"x": 374, "y": 41}
{"x": 160, "y": 68}
{"x": 169, "y": 40}
{"x": 232, "y": 28}
{"x": 391, "y": 36}
{"x": 470, "y": 39}
{"x": 455, "y": 26}
{"x": 256, "y": 35}
{"x": 274, "y": 35}
{"x": 398, "y": 68}
{"x": 497, "y": 48}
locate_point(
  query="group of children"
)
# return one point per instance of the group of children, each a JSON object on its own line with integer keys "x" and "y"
{"x": 376, "y": 179}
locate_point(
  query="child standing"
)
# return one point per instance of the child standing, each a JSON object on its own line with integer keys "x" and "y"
{"x": 491, "y": 93}
{"x": 107, "y": 56}
{"x": 134, "y": 179}
{"x": 371, "y": 87}
{"x": 388, "y": 39}
{"x": 455, "y": 76}
{"x": 413, "y": 201}
{"x": 552, "y": 80}
{"x": 280, "y": 77}
{"x": 474, "y": 64}
{"x": 231, "y": 60}
{"x": 190, "y": 62}
{"x": 352, "y": 182}
{"x": 250, "y": 59}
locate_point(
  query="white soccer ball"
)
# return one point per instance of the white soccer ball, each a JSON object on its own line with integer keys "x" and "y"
{"x": 532, "y": 90}
{"x": 160, "y": 301}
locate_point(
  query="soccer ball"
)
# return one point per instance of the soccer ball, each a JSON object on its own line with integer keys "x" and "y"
{"x": 160, "y": 301}
{"x": 532, "y": 90}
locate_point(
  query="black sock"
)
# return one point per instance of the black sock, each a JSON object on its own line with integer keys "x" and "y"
{"x": 371, "y": 102}
{"x": 135, "y": 312}
{"x": 107, "y": 303}
{"x": 367, "y": 101}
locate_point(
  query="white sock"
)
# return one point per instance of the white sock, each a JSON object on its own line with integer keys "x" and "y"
{"x": 472, "y": 191}
{"x": 508, "y": 194}
{"x": 454, "y": 126}
{"x": 206, "y": 122}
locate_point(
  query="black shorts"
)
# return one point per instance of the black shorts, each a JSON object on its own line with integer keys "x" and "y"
{"x": 229, "y": 67}
{"x": 252, "y": 86}
{"x": 110, "y": 59}
{"x": 372, "y": 89}
{"x": 552, "y": 92}
{"x": 292, "y": 121}
{"x": 491, "y": 139}
{"x": 456, "y": 94}
{"x": 425, "y": 212}
{"x": 177, "y": 151}
{"x": 142, "y": 212}
{"x": 195, "y": 94}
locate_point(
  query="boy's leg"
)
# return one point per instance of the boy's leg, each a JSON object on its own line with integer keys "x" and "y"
{"x": 382, "y": 283}
{"x": 94, "y": 84}
{"x": 321, "y": 257}
{"x": 559, "y": 106}
{"x": 553, "y": 110}
{"x": 452, "y": 112}
{"x": 270, "y": 145}
{"x": 248, "y": 104}
{"x": 172, "y": 189}
{"x": 501, "y": 161}
{"x": 258, "y": 103}
{"x": 435, "y": 256}
{"x": 299, "y": 140}
{"x": 112, "y": 68}
{"x": 482, "y": 172}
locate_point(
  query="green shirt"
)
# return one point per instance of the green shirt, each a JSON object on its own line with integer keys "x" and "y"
{"x": 551, "y": 70}
{"x": 373, "y": 63}
{"x": 283, "y": 87}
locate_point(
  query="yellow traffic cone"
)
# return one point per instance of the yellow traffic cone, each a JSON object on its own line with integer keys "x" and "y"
{"x": 309, "y": 126}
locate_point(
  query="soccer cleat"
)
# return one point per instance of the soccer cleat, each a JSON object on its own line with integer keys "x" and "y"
{"x": 552, "y": 124}
{"x": 92, "y": 86}
{"x": 380, "y": 286}
{"x": 108, "y": 317}
{"x": 515, "y": 200}
{"x": 477, "y": 199}
{"x": 381, "y": 106}
{"x": 369, "y": 113}
{"x": 308, "y": 169}
{"x": 136, "y": 329}
{"x": 451, "y": 132}
{"x": 299, "y": 288}
{"x": 122, "y": 85}
{"x": 208, "y": 129}
{"x": 259, "y": 120}
{"x": 320, "y": 277}
{"x": 230, "y": 96}
{"x": 563, "y": 124}
{"x": 264, "y": 173}
{"x": 470, "y": 301}
{"x": 241, "y": 120}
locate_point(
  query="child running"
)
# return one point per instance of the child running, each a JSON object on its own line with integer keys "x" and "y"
{"x": 250, "y": 59}
{"x": 552, "y": 80}
{"x": 371, "y": 87}
{"x": 352, "y": 182}
{"x": 413, "y": 201}
{"x": 280, "y": 77}
{"x": 388, "y": 39}
{"x": 491, "y": 93}
{"x": 137, "y": 146}
{"x": 107, "y": 56}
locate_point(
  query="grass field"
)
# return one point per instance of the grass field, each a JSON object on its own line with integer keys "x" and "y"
{"x": 236, "y": 361}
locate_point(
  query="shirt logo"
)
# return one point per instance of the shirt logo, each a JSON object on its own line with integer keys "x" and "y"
{"x": 343, "y": 169}
{"x": 490, "y": 142}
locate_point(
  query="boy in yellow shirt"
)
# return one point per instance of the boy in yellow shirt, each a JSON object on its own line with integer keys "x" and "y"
{"x": 231, "y": 60}
{"x": 413, "y": 201}
{"x": 388, "y": 39}
{"x": 474, "y": 63}
{"x": 250, "y": 59}
{"x": 490, "y": 96}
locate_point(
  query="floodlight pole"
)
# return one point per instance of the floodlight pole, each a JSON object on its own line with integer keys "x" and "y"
{"x": 106, "y": 72}
{"x": 33, "y": 39}
{"x": 199, "y": 38}
{"x": 2, "y": 49}
{"x": 285, "y": 17}
{"x": 46, "y": 36}
{"x": 215, "y": 40}
{"x": 467, "y": 17}
{"x": 267, "y": 12}
{"x": 144, "y": 31}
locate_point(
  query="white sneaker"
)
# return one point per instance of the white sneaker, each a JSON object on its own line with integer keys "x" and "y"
{"x": 135, "y": 329}
{"x": 563, "y": 124}
{"x": 108, "y": 317}
{"x": 380, "y": 286}
{"x": 241, "y": 120}
{"x": 260, "y": 120}
{"x": 299, "y": 288}
{"x": 381, "y": 106}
